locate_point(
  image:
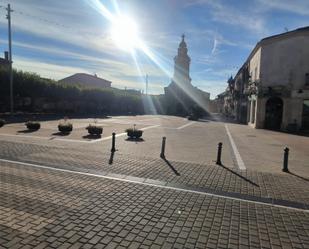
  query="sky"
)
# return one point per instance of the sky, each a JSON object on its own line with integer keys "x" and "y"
{"x": 56, "y": 39}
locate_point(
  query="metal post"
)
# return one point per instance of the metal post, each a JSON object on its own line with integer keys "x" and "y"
{"x": 162, "y": 155}
{"x": 146, "y": 84}
{"x": 113, "y": 142}
{"x": 219, "y": 154}
{"x": 286, "y": 160}
{"x": 8, "y": 16}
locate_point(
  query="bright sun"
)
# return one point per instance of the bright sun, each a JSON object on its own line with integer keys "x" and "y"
{"x": 125, "y": 33}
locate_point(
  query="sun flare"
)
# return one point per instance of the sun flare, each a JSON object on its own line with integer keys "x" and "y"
{"x": 124, "y": 33}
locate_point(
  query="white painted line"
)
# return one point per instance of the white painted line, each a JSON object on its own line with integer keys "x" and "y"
{"x": 149, "y": 127}
{"x": 184, "y": 126}
{"x": 149, "y": 184}
{"x": 239, "y": 160}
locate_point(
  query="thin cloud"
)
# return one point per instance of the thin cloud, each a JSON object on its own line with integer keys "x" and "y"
{"x": 300, "y": 7}
{"x": 227, "y": 14}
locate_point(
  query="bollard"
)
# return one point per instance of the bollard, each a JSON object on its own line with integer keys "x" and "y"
{"x": 113, "y": 142}
{"x": 286, "y": 160}
{"x": 162, "y": 155}
{"x": 219, "y": 154}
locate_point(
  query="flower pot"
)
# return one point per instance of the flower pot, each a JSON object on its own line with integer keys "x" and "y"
{"x": 134, "y": 133}
{"x": 33, "y": 126}
{"x": 94, "y": 130}
{"x": 65, "y": 128}
{"x": 2, "y": 122}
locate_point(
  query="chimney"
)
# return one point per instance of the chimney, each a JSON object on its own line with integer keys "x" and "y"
{"x": 6, "y": 55}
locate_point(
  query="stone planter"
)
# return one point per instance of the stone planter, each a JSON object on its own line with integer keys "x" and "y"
{"x": 94, "y": 130}
{"x": 65, "y": 128}
{"x": 33, "y": 126}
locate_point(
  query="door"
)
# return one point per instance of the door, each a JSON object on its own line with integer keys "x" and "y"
{"x": 273, "y": 115}
{"x": 305, "y": 116}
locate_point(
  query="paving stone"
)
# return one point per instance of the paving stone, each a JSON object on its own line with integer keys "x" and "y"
{"x": 58, "y": 206}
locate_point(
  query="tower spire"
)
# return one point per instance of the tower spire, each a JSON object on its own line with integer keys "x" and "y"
{"x": 182, "y": 64}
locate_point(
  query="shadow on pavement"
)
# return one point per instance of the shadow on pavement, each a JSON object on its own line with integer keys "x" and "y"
{"x": 171, "y": 166}
{"x": 59, "y": 133}
{"x": 89, "y": 136}
{"x": 135, "y": 139}
{"x": 26, "y": 131}
{"x": 111, "y": 158}
{"x": 240, "y": 176}
{"x": 298, "y": 176}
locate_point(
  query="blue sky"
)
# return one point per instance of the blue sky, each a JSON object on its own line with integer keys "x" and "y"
{"x": 58, "y": 38}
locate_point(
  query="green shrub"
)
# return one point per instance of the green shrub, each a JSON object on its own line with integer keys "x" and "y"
{"x": 33, "y": 125}
{"x": 94, "y": 129}
{"x": 134, "y": 133}
{"x": 2, "y": 122}
{"x": 65, "y": 127}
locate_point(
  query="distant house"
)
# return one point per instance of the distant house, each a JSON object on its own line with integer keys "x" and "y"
{"x": 86, "y": 80}
{"x": 4, "y": 62}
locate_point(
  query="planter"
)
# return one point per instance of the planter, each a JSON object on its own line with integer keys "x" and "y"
{"x": 134, "y": 133}
{"x": 65, "y": 128}
{"x": 33, "y": 126}
{"x": 94, "y": 130}
{"x": 192, "y": 117}
{"x": 2, "y": 122}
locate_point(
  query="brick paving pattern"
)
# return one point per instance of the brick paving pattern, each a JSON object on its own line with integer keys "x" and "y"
{"x": 47, "y": 209}
{"x": 219, "y": 178}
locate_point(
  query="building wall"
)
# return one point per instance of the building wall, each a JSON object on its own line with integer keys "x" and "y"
{"x": 255, "y": 65}
{"x": 285, "y": 61}
{"x": 281, "y": 62}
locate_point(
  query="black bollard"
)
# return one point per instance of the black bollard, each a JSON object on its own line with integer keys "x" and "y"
{"x": 219, "y": 154}
{"x": 113, "y": 142}
{"x": 162, "y": 155}
{"x": 286, "y": 160}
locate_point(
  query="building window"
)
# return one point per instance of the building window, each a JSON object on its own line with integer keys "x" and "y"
{"x": 307, "y": 79}
{"x": 255, "y": 73}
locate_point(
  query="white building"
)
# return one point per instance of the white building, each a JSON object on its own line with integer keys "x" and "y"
{"x": 278, "y": 82}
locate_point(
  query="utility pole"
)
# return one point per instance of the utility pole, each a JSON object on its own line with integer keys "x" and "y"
{"x": 146, "y": 84}
{"x": 8, "y": 16}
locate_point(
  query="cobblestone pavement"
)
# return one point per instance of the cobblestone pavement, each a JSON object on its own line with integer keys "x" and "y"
{"x": 187, "y": 141}
{"x": 274, "y": 187}
{"x": 43, "y": 208}
{"x": 134, "y": 199}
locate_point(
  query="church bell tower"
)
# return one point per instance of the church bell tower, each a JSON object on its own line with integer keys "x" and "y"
{"x": 182, "y": 65}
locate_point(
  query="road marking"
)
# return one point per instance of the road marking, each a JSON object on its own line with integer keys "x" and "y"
{"x": 158, "y": 185}
{"x": 185, "y": 125}
{"x": 239, "y": 160}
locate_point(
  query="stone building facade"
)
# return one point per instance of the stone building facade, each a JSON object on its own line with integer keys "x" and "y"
{"x": 181, "y": 96}
{"x": 271, "y": 90}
